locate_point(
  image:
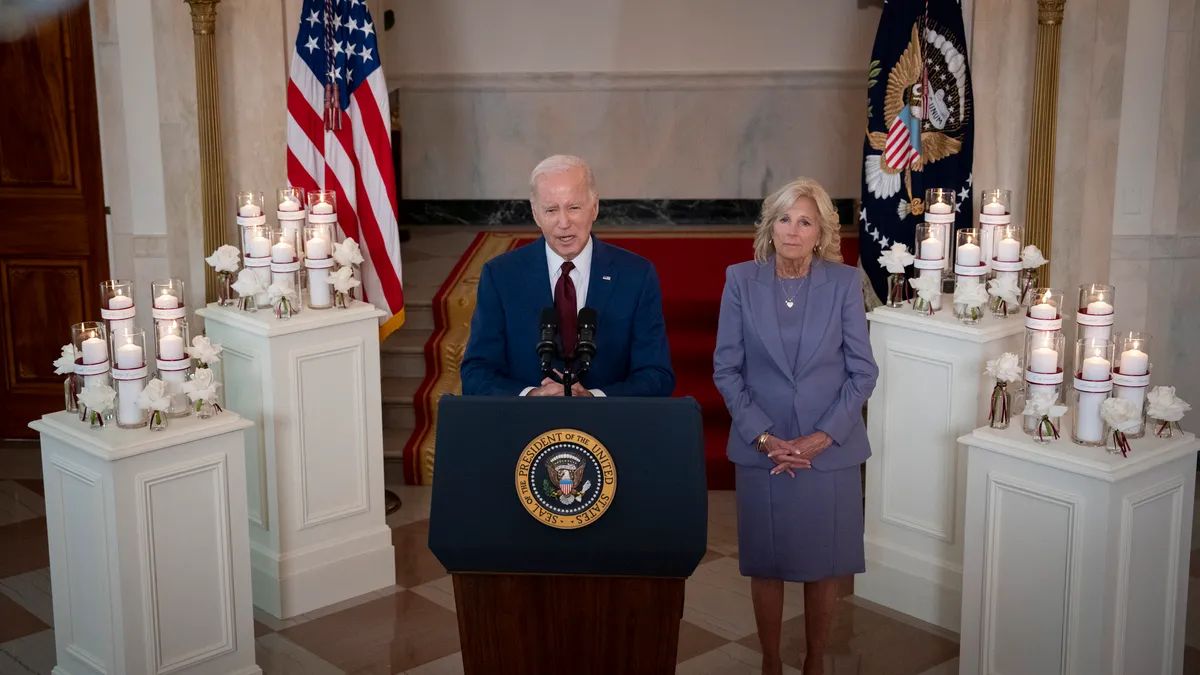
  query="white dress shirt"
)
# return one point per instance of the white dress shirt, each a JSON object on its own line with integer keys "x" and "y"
{"x": 580, "y": 275}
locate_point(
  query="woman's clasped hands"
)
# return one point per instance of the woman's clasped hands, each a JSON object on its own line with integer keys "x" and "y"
{"x": 797, "y": 453}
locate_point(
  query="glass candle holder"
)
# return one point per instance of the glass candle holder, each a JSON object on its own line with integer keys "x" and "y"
{"x": 129, "y": 372}
{"x": 286, "y": 291}
{"x": 995, "y": 208}
{"x": 1095, "y": 317}
{"x": 1043, "y": 378}
{"x": 970, "y": 290}
{"x": 171, "y": 341}
{"x": 1092, "y": 384}
{"x": 249, "y": 206}
{"x": 1131, "y": 375}
{"x": 116, "y": 305}
{"x": 940, "y": 208}
{"x": 322, "y": 206}
{"x": 169, "y": 303}
{"x": 1005, "y": 264}
{"x": 91, "y": 354}
{"x": 318, "y": 263}
{"x": 930, "y": 260}
{"x": 256, "y": 256}
{"x": 1045, "y": 312}
{"x": 291, "y": 214}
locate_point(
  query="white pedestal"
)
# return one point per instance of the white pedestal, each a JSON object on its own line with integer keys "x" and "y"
{"x": 1076, "y": 560}
{"x": 931, "y": 390}
{"x": 149, "y": 559}
{"x": 314, "y": 460}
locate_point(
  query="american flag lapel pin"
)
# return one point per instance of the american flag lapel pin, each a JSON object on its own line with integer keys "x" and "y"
{"x": 606, "y": 278}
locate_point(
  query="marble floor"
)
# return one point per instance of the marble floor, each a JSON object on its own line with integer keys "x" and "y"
{"x": 411, "y": 627}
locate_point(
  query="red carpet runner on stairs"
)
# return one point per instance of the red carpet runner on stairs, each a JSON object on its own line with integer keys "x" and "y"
{"x": 691, "y": 270}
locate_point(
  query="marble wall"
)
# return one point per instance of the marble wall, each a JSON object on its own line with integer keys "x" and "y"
{"x": 146, "y": 89}
{"x": 682, "y": 136}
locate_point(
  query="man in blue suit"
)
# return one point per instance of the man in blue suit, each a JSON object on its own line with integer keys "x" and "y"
{"x": 569, "y": 269}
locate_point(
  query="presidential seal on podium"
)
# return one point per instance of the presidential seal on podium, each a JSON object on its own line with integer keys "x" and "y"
{"x": 566, "y": 479}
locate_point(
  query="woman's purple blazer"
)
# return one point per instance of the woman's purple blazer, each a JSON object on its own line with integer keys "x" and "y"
{"x": 835, "y": 372}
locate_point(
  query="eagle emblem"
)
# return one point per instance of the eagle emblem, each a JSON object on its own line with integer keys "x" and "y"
{"x": 925, "y": 107}
{"x": 566, "y": 482}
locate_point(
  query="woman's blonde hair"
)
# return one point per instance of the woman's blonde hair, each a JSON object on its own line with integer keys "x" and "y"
{"x": 829, "y": 246}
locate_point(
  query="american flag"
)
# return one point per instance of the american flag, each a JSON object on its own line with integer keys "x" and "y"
{"x": 337, "y": 54}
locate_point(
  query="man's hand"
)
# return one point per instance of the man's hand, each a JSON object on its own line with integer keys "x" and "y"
{"x": 548, "y": 388}
{"x": 578, "y": 390}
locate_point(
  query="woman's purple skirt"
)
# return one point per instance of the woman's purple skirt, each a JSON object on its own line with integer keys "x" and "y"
{"x": 805, "y": 528}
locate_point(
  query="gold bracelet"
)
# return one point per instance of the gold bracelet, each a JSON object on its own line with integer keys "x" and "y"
{"x": 761, "y": 442}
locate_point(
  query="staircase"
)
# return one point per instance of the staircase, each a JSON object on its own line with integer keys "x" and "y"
{"x": 429, "y": 257}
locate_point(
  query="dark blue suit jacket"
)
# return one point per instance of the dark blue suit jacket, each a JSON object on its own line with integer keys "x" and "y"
{"x": 632, "y": 354}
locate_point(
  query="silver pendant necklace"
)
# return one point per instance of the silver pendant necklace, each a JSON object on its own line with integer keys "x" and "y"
{"x": 789, "y": 299}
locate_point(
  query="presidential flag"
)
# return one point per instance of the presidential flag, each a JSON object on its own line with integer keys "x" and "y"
{"x": 339, "y": 139}
{"x": 920, "y": 131}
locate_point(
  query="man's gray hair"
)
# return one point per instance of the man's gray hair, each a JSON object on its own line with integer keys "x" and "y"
{"x": 559, "y": 164}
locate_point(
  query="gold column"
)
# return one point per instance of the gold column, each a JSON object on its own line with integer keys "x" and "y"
{"x": 212, "y": 167}
{"x": 1039, "y": 207}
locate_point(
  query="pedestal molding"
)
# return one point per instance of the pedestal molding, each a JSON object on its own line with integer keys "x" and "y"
{"x": 998, "y": 483}
{"x": 363, "y": 502}
{"x": 888, "y": 511}
{"x": 1170, "y": 488}
{"x": 146, "y": 483}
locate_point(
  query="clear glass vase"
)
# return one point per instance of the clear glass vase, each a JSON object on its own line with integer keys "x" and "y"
{"x": 71, "y": 394}
{"x": 897, "y": 290}
{"x": 998, "y": 416}
{"x": 158, "y": 420}
{"x": 225, "y": 295}
{"x": 1162, "y": 428}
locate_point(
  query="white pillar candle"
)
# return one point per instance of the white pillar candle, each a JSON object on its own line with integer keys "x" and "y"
{"x": 264, "y": 279}
{"x": 968, "y": 255}
{"x": 1043, "y": 310}
{"x": 1096, "y": 332}
{"x": 931, "y": 249}
{"x": 117, "y": 326}
{"x": 1043, "y": 360}
{"x": 129, "y": 356}
{"x": 166, "y": 301}
{"x": 170, "y": 347}
{"x": 1089, "y": 426}
{"x": 283, "y": 252}
{"x": 1095, "y": 368}
{"x": 1008, "y": 250}
{"x": 1099, "y": 307}
{"x": 1134, "y": 362}
{"x": 993, "y": 209}
{"x": 316, "y": 248}
{"x": 318, "y": 288}
{"x": 322, "y": 208}
{"x": 174, "y": 379}
{"x": 1136, "y": 395}
{"x": 128, "y": 412}
{"x": 940, "y": 207}
{"x": 289, "y": 203}
{"x": 249, "y": 211}
{"x": 260, "y": 247}
{"x": 95, "y": 350}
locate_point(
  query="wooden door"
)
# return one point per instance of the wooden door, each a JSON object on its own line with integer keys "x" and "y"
{"x": 53, "y": 245}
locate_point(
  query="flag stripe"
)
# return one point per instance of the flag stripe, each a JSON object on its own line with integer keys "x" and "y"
{"x": 356, "y": 160}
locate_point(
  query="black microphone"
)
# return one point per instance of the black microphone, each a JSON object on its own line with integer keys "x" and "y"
{"x": 585, "y": 345}
{"x": 546, "y": 346}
